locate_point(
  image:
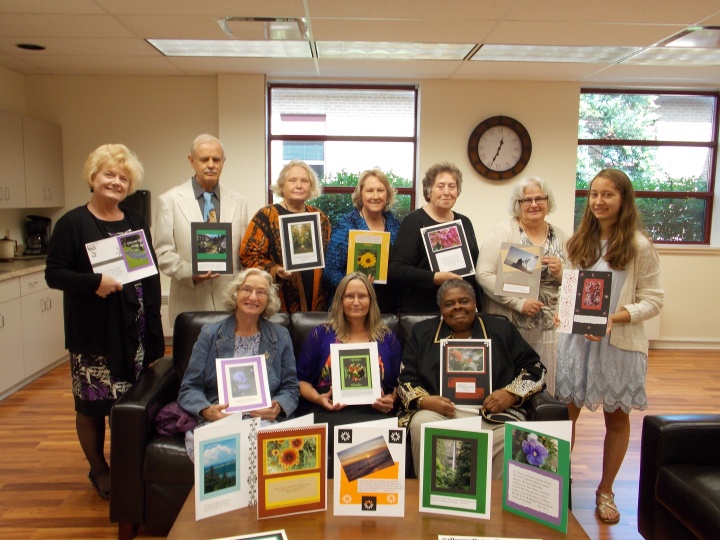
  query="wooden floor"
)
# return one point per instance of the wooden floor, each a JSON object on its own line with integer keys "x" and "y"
{"x": 44, "y": 491}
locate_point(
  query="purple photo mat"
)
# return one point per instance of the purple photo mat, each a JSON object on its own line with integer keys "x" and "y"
{"x": 544, "y": 517}
{"x": 257, "y": 360}
{"x": 141, "y": 233}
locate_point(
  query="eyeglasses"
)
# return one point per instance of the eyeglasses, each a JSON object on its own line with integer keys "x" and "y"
{"x": 353, "y": 297}
{"x": 536, "y": 200}
{"x": 249, "y": 291}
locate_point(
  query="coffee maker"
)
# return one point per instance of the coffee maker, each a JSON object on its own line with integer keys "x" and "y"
{"x": 38, "y": 235}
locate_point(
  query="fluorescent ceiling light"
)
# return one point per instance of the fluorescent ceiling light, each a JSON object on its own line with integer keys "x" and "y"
{"x": 548, "y": 53}
{"x": 700, "y": 37}
{"x": 393, "y": 51}
{"x": 232, "y": 48}
{"x": 677, "y": 56}
{"x": 263, "y": 28}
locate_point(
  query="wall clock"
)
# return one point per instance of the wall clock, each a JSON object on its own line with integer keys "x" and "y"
{"x": 499, "y": 148}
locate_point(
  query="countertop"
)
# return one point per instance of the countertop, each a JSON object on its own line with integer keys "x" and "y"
{"x": 19, "y": 267}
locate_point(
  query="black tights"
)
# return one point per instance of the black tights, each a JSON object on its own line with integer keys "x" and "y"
{"x": 91, "y": 433}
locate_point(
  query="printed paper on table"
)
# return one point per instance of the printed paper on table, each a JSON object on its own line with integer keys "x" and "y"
{"x": 447, "y": 248}
{"x": 456, "y": 468}
{"x": 301, "y": 241}
{"x": 518, "y": 273}
{"x": 292, "y": 469}
{"x": 225, "y": 465}
{"x": 211, "y": 248}
{"x": 355, "y": 372}
{"x": 466, "y": 372}
{"x": 126, "y": 257}
{"x": 267, "y": 535}
{"x": 243, "y": 383}
{"x": 584, "y": 305}
{"x": 370, "y": 469}
{"x": 369, "y": 253}
{"x": 536, "y": 480}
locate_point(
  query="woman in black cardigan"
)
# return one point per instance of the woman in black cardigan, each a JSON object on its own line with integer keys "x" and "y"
{"x": 111, "y": 331}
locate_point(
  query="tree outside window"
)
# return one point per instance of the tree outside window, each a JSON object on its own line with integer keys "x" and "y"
{"x": 666, "y": 143}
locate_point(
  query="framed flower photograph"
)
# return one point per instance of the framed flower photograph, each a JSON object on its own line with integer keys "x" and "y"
{"x": 242, "y": 383}
{"x": 447, "y": 248}
{"x": 369, "y": 253}
{"x": 355, "y": 371}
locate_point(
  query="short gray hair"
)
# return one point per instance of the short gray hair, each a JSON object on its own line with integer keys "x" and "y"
{"x": 518, "y": 193}
{"x": 206, "y": 138}
{"x": 436, "y": 170}
{"x": 454, "y": 284}
{"x": 230, "y": 300}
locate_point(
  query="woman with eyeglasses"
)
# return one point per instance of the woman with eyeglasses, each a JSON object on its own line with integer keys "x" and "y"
{"x": 530, "y": 203}
{"x": 354, "y": 318}
{"x": 253, "y": 299}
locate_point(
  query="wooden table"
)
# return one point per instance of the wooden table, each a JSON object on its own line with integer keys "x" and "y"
{"x": 325, "y": 525}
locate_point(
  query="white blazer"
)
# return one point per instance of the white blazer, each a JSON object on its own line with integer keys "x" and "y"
{"x": 177, "y": 209}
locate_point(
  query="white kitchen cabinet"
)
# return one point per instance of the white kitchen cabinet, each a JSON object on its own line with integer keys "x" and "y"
{"x": 44, "y": 181}
{"x": 43, "y": 332}
{"x": 12, "y": 180}
{"x": 12, "y": 367}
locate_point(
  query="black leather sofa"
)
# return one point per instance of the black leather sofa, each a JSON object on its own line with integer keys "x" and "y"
{"x": 679, "y": 492}
{"x": 151, "y": 473}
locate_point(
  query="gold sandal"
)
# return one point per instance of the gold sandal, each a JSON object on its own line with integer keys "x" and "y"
{"x": 603, "y": 501}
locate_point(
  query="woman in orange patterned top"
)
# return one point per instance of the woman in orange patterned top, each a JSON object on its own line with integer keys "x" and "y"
{"x": 299, "y": 290}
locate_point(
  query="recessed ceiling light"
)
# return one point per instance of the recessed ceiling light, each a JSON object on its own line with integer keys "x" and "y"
{"x": 30, "y": 46}
{"x": 699, "y": 37}
{"x": 264, "y": 28}
{"x": 393, "y": 51}
{"x": 550, "y": 53}
{"x": 232, "y": 48}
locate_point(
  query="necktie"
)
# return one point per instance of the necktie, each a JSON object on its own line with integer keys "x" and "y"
{"x": 209, "y": 210}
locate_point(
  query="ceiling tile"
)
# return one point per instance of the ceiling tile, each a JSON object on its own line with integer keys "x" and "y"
{"x": 39, "y": 26}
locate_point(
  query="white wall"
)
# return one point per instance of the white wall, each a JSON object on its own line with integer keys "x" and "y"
{"x": 158, "y": 117}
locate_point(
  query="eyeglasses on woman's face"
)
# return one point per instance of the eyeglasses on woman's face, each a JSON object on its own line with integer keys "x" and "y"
{"x": 537, "y": 200}
{"x": 358, "y": 297}
{"x": 248, "y": 291}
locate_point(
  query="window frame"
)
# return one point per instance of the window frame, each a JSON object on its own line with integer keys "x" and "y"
{"x": 712, "y": 146}
{"x": 331, "y": 190}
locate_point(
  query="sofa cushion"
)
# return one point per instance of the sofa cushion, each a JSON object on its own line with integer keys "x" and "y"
{"x": 167, "y": 462}
{"x": 692, "y": 494}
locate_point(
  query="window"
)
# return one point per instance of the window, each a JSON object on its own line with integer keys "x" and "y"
{"x": 666, "y": 143}
{"x": 341, "y": 131}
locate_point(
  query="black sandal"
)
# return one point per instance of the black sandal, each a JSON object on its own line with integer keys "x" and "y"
{"x": 105, "y": 495}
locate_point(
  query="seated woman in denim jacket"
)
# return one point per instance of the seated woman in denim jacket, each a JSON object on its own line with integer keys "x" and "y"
{"x": 253, "y": 298}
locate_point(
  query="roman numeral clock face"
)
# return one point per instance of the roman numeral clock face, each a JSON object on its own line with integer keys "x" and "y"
{"x": 499, "y": 148}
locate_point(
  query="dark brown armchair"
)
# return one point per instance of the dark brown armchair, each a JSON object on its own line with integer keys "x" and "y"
{"x": 151, "y": 473}
{"x": 679, "y": 492}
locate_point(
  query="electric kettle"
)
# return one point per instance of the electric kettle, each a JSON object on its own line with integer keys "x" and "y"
{"x": 8, "y": 249}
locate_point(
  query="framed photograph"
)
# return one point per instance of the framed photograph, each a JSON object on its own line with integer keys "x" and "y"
{"x": 301, "y": 241}
{"x": 242, "y": 383}
{"x": 518, "y": 273}
{"x": 447, "y": 248}
{"x": 584, "y": 305}
{"x": 455, "y": 472}
{"x": 369, "y": 253}
{"x": 212, "y": 248}
{"x": 466, "y": 371}
{"x": 126, "y": 257}
{"x": 355, "y": 371}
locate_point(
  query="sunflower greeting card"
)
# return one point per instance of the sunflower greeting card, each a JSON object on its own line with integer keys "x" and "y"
{"x": 369, "y": 252}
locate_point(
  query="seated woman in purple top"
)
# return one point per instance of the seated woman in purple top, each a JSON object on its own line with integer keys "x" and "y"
{"x": 354, "y": 318}
{"x": 373, "y": 198}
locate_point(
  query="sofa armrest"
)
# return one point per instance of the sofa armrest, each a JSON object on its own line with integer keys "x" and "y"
{"x": 671, "y": 439}
{"x": 543, "y": 407}
{"x": 132, "y": 424}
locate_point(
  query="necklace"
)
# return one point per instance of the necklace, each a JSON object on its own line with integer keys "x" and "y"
{"x": 547, "y": 229}
{"x": 285, "y": 206}
{"x": 362, "y": 213}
